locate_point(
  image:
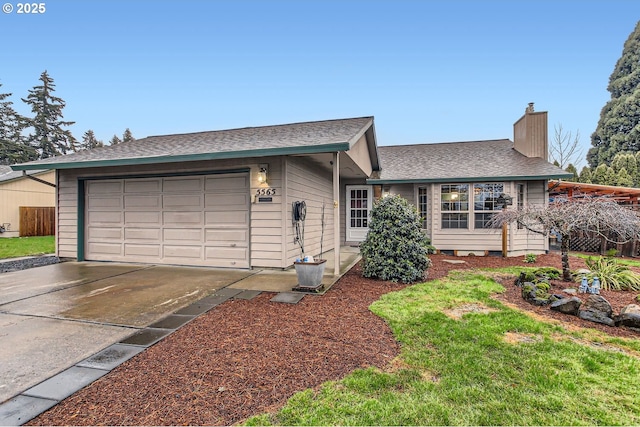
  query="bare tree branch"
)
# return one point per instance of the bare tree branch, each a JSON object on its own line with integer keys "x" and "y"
{"x": 563, "y": 149}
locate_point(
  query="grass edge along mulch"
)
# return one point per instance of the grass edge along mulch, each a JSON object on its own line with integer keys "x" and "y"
{"x": 493, "y": 366}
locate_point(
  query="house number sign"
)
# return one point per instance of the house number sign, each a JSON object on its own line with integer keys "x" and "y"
{"x": 266, "y": 192}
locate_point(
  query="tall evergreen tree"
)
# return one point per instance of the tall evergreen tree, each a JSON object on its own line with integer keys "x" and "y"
{"x": 48, "y": 136}
{"x": 12, "y": 145}
{"x": 115, "y": 140}
{"x": 628, "y": 162}
{"x": 619, "y": 125}
{"x": 127, "y": 136}
{"x": 90, "y": 141}
{"x": 623, "y": 179}
{"x": 585, "y": 175}
{"x": 603, "y": 175}
{"x": 572, "y": 169}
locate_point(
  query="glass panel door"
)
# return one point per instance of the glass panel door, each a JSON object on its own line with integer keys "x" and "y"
{"x": 359, "y": 202}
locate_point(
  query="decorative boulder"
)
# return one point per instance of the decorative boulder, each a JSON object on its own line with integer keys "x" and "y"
{"x": 536, "y": 293}
{"x": 597, "y": 309}
{"x": 567, "y": 305}
{"x": 629, "y": 316}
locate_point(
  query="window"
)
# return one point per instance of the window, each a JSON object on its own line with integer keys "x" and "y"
{"x": 485, "y": 202}
{"x": 422, "y": 206}
{"x": 454, "y": 204}
{"x": 520, "y": 202}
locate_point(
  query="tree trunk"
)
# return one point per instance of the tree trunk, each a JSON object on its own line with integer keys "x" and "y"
{"x": 564, "y": 250}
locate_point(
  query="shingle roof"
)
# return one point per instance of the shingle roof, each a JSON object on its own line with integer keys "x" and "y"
{"x": 296, "y": 138}
{"x": 7, "y": 174}
{"x": 461, "y": 161}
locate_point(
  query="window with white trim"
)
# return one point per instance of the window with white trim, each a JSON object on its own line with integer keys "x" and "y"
{"x": 454, "y": 205}
{"x": 485, "y": 202}
{"x": 422, "y": 206}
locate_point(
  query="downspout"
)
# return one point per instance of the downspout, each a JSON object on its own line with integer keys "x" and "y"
{"x": 336, "y": 213}
{"x": 41, "y": 181}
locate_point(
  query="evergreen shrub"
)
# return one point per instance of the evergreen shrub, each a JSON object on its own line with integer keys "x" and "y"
{"x": 395, "y": 248}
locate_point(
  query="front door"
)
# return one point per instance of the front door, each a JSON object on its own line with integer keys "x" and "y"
{"x": 359, "y": 202}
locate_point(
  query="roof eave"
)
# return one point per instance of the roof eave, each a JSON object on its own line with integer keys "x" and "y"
{"x": 267, "y": 152}
{"x": 374, "y": 181}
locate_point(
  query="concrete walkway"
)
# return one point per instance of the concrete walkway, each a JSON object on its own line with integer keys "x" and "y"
{"x": 65, "y": 325}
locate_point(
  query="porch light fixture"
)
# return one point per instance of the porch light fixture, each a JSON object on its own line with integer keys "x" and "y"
{"x": 262, "y": 174}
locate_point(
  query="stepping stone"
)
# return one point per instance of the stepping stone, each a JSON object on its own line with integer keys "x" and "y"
{"x": 173, "y": 321}
{"x": 66, "y": 383}
{"x": 196, "y": 308}
{"x": 20, "y": 409}
{"x": 110, "y": 357}
{"x": 287, "y": 297}
{"x": 146, "y": 337}
{"x": 247, "y": 295}
{"x": 228, "y": 292}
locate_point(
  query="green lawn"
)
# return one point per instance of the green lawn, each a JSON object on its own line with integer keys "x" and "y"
{"x": 623, "y": 261}
{"x": 24, "y": 246}
{"x": 494, "y": 366}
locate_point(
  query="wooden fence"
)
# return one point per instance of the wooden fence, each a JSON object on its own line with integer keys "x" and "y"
{"x": 37, "y": 221}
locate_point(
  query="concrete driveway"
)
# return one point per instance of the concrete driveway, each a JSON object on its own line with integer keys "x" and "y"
{"x": 55, "y": 316}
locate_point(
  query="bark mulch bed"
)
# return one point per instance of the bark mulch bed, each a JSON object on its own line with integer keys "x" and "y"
{"x": 248, "y": 357}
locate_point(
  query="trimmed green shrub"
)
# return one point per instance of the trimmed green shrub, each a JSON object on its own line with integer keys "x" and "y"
{"x": 395, "y": 248}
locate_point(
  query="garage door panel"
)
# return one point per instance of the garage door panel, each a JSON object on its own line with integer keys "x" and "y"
{"x": 103, "y": 248}
{"x": 136, "y": 201}
{"x": 183, "y": 251}
{"x": 227, "y": 237}
{"x": 182, "y": 202}
{"x": 104, "y": 187}
{"x": 193, "y": 235}
{"x": 192, "y": 220}
{"x": 226, "y": 183}
{"x": 106, "y": 202}
{"x": 182, "y": 218}
{"x": 143, "y": 185}
{"x": 104, "y": 217}
{"x": 132, "y": 249}
{"x": 182, "y": 185}
{"x": 217, "y": 202}
{"x": 152, "y": 234}
{"x": 229, "y": 218}
{"x": 138, "y": 218}
{"x": 104, "y": 233}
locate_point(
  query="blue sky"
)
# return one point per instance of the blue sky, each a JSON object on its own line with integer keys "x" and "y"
{"x": 429, "y": 71}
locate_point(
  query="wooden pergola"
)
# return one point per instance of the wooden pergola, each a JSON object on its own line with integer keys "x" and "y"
{"x": 622, "y": 195}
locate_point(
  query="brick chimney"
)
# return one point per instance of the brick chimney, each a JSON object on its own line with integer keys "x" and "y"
{"x": 530, "y": 134}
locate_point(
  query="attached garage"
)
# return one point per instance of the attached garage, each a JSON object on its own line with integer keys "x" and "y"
{"x": 199, "y": 220}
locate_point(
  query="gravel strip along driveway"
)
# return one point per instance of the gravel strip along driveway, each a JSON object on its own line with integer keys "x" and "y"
{"x": 27, "y": 262}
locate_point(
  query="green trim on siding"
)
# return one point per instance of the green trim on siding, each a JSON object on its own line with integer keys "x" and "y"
{"x": 266, "y": 152}
{"x": 80, "y": 221}
{"x": 374, "y": 181}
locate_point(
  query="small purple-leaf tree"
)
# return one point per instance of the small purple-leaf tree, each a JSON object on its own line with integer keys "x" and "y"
{"x": 601, "y": 216}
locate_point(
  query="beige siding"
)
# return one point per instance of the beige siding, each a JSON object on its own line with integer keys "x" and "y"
{"x": 23, "y": 192}
{"x": 266, "y": 218}
{"x": 359, "y": 153}
{"x": 523, "y": 241}
{"x": 306, "y": 182}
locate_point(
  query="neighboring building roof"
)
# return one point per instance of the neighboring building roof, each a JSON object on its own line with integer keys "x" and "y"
{"x": 297, "y": 138}
{"x": 8, "y": 174}
{"x": 461, "y": 162}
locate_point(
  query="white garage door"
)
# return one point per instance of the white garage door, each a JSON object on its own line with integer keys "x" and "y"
{"x": 187, "y": 220}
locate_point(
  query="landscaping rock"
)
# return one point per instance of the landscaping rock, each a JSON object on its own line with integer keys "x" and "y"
{"x": 597, "y": 309}
{"x": 570, "y": 291}
{"x": 629, "y": 316}
{"x": 567, "y": 305}
{"x": 536, "y": 293}
{"x": 18, "y": 264}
